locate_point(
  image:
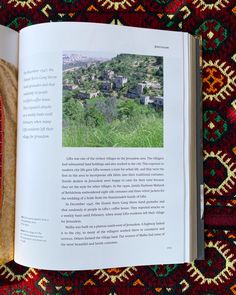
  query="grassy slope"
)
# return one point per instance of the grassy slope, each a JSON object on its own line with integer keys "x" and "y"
{"x": 147, "y": 132}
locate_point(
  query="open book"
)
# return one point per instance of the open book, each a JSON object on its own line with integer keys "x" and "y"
{"x": 106, "y": 152}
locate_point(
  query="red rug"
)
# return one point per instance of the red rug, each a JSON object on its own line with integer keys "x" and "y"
{"x": 216, "y": 22}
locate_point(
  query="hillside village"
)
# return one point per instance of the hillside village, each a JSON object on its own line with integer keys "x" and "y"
{"x": 124, "y": 76}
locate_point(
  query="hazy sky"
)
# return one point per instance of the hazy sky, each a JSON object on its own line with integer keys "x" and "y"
{"x": 93, "y": 54}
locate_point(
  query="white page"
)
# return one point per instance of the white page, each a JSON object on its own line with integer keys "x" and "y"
{"x": 42, "y": 239}
{"x": 9, "y": 45}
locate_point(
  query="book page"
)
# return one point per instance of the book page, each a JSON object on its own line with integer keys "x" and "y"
{"x": 100, "y": 167}
{"x": 8, "y": 102}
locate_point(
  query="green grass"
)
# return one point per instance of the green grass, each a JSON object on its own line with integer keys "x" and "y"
{"x": 143, "y": 131}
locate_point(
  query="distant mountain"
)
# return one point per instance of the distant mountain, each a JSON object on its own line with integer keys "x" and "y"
{"x": 79, "y": 60}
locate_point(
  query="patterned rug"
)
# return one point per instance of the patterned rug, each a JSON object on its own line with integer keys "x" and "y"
{"x": 216, "y": 22}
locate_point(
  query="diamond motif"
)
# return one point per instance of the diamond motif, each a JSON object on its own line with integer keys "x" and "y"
{"x": 221, "y": 177}
{"x": 210, "y": 34}
{"x": 218, "y": 80}
{"x": 213, "y": 34}
{"x": 219, "y": 254}
{"x": 214, "y": 126}
{"x": 211, "y": 125}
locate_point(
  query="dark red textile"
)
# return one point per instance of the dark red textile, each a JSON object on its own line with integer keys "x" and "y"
{"x": 216, "y": 22}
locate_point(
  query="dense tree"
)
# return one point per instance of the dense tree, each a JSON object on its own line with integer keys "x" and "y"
{"x": 72, "y": 111}
{"x": 93, "y": 117}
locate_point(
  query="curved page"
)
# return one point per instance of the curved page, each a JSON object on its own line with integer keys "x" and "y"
{"x": 100, "y": 171}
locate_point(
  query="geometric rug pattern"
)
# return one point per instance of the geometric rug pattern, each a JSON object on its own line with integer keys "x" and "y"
{"x": 215, "y": 21}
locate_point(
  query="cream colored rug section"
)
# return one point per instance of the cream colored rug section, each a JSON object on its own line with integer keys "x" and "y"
{"x": 8, "y": 91}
